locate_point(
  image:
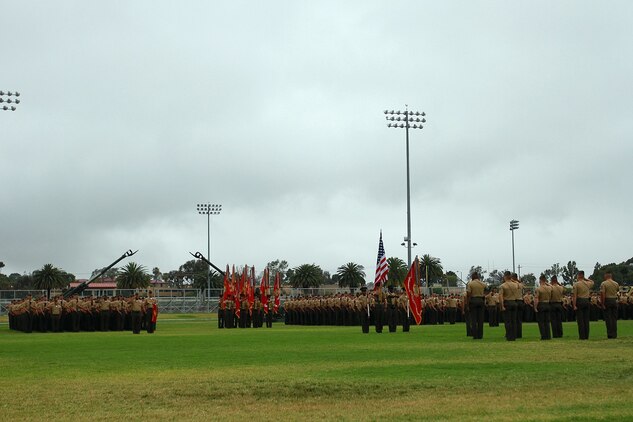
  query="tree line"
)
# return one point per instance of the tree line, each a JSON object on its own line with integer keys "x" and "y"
{"x": 194, "y": 273}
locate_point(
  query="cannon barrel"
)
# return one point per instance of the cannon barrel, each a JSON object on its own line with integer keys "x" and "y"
{"x": 84, "y": 285}
{"x": 202, "y": 257}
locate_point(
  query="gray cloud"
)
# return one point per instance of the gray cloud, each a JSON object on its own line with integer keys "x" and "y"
{"x": 133, "y": 113}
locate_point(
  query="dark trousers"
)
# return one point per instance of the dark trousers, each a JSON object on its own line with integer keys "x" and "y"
{"x": 229, "y": 318}
{"x": 392, "y": 318}
{"x": 519, "y": 318}
{"x": 243, "y": 317}
{"x": 364, "y": 320}
{"x": 452, "y": 314}
{"x": 56, "y": 323}
{"x": 582, "y": 318}
{"x": 476, "y": 308}
{"x": 556, "y": 318}
{"x": 543, "y": 318}
{"x": 510, "y": 319}
{"x": 611, "y": 317}
{"x": 378, "y": 317}
{"x": 220, "y": 318}
{"x": 149, "y": 325}
{"x": 269, "y": 318}
{"x": 406, "y": 323}
{"x": 104, "y": 320}
{"x": 493, "y": 316}
{"x": 136, "y": 322}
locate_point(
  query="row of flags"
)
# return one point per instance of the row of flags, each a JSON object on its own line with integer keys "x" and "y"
{"x": 241, "y": 287}
{"x": 411, "y": 281}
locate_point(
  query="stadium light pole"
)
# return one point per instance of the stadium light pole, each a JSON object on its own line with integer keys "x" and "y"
{"x": 514, "y": 225}
{"x": 407, "y": 120}
{"x": 7, "y": 102}
{"x": 209, "y": 210}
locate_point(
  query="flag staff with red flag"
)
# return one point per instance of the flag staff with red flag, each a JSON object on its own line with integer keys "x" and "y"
{"x": 277, "y": 292}
{"x": 412, "y": 287}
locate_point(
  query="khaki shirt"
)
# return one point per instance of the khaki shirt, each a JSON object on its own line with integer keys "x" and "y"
{"x": 557, "y": 293}
{"x": 508, "y": 290}
{"x": 56, "y": 309}
{"x": 519, "y": 292}
{"x": 610, "y": 289}
{"x": 544, "y": 293}
{"x": 475, "y": 288}
{"x": 581, "y": 288}
{"x": 137, "y": 305}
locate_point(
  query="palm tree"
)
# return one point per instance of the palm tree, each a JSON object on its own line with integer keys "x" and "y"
{"x": 397, "y": 271}
{"x": 351, "y": 275}
{"x": 430, "y": 268}
{"x": 306, "y": 276}
{"x": 133, "y": 276}
{"x": 47, "y": 278}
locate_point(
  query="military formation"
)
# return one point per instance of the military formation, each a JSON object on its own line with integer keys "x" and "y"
{"x": 378, "y": 308}
{"x": 548, "y": 305}
{"x": 242, "y": 313}
{"x": 87, "y": 313}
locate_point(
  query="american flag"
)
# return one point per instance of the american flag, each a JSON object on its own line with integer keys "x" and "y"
{"x": 382, "y": 268}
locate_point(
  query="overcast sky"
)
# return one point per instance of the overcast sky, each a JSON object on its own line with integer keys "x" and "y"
{"x": 134, "y": 112}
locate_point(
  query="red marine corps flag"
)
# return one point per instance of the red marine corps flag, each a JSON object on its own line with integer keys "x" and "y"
{"x": 251, "y": 288}
{"x": 227, "y": 285}
{"x": 276, "y": 291}
{"x": 236, "y": 293}
{"x": 263, "y": 290}
{"x": 382, "y": 268}
{"x": 411, "y": 285}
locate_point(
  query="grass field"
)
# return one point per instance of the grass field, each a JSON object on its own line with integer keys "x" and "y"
{"x": 190, "y": 370}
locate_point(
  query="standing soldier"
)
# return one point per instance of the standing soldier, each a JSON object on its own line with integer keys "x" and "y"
{"x": 55, "y": 309}
{"x": 556, "y": 308}
{"x": 392, "y": 301}
{"x": 243, "y": 310}
{"x": 528, "y": 307}
{"x": 137, "y": 313}
{"x": 542, "y": 298}
{"x": 269, "y": 313}
{"x": 403, "y": 308}
{"x": 257, "y": 312}
{"x": 622, "y": 306}
{"x": 151, "y": 313}
{"x": 104, "y": 314}
{"x": 379, "y": 304}
{"x": 221, "y": 312}
{"x": 609, "y": 294}
{"x": 452, "y": 309}
{"x": 229, "y": 312}
{"x": 491, "y": 306}
{"x": 520, "y": 305}
{"x": 475, "y": 305}
{"x": 363, "y": 309}
{"x": 507, "y": 293}
{"x": 580, "y": 299}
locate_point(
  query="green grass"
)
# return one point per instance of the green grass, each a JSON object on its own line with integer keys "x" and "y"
{"x": 190, "y": 370}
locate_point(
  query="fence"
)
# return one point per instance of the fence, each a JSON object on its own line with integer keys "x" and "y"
{"x": 185, "y": 301}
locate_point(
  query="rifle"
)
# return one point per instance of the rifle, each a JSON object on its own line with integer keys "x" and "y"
{"x": 84, "y": 285}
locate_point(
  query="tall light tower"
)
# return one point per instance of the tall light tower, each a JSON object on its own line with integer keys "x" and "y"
{"x": 407, "y": 120}
{"x": 209, "y": 210}
{"x": 9, "y": 100}
{"x": 514, "y": 225}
